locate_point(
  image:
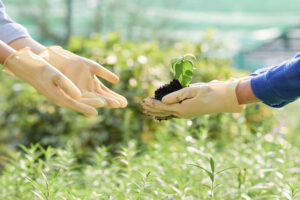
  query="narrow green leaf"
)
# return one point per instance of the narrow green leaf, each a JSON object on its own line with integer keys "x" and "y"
{"x": 223, "y": 170}
{"x": 45, "y": 179}
{"x": 207, "y": 186}
{"x": 38, "y": 195}
{"x": 211, "y": 175}
{"x": 212, "y": 164}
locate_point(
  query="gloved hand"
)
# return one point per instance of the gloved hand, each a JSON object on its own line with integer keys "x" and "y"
{"x": 198, "y": 99}
{"x": 82, "y": 72}
{"x": 46, "y": 79}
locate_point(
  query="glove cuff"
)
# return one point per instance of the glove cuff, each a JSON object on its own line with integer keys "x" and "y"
{"x": 13, "y": 55}
{"x": 232, "y": 105}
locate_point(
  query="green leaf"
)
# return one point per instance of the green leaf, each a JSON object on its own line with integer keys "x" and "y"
{"x": 211, "y": 175}
{"x": 212, "y": 164}
{"x": 183, "y": 69}
{"x": 223, "y": 170}
{"x": 186, "y": 56}
{"x": 38, "y": 195}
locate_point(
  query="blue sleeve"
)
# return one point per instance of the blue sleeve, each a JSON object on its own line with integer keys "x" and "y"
{"x": 279, "y": 85}
{"x": 9, "y": 30}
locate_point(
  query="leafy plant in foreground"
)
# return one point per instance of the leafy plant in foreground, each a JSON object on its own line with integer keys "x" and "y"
{"x": 183, "y": 69}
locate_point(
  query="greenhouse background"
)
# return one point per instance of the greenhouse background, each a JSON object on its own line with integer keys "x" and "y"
{"x": 256, "y": 34}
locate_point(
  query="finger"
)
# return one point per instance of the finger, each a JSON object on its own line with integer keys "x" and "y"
{"x": 148, "y": 108}
{"x": 158, "y": 105}
{"x": 197, "y": 84}
{"x": 67, "y": 86}
{"x": 102, "y": 89}
{"x": 89, "y": 95}
{"x": 94, "y": 102}
{"x": 215, "y": 81}
{"x": 153, "y": 110}
{"x": 110, "y": 102}
{"x": 102, "y": 72}
{"x": 66, "y": 101}
{"x": 156, "y": 114}
{"x": 178, "y": 96}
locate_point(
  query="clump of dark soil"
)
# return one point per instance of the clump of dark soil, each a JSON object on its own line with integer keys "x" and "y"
{"x": 167, "y": 89}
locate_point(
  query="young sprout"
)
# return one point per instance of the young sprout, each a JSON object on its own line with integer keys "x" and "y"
{"x": 183, "y": 69}
{"x": 212, "y": 173}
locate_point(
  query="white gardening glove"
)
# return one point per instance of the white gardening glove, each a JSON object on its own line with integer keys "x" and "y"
{"x": 82, "y": 72}
{"x": 198, "y": 99}
{"x": 32, "y": 69}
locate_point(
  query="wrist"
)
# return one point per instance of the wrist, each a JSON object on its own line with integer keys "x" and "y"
{"x": 6, "y": 51}
{"x": 244, "y": 92}
{"x": 23, "y": 42}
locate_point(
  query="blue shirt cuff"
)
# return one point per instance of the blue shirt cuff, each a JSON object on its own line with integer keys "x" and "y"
{"x": 264, "y": 91}
{"x": 260, "y": 71}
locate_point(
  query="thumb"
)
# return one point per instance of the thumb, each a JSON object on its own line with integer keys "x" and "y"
{"x": 67, "y": 86}
{"x": 102, "y": 72}
{"x": 178, "y": 96}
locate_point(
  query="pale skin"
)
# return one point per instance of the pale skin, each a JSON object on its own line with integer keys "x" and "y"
{"x": 18, "y": 44}
{"x": 5, "y": 51}
{"x": 244, "y": 92}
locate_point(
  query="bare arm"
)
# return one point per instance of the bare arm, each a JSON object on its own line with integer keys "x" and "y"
{"x": 20, "y": 43}
{"x": 5, "y": 51}
{"x": 244, "y": 92}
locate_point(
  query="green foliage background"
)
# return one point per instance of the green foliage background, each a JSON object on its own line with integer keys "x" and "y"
{"x": 122, "y": 154}
{"x": 27, "y": 117}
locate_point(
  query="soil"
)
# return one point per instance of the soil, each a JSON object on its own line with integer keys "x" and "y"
{"x": 167, "y": 89}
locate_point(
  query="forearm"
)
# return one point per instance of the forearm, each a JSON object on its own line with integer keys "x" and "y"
{"x": 244, "y": 92}
{"x": 5, "y": 51}
{"x": 20, "y": 43}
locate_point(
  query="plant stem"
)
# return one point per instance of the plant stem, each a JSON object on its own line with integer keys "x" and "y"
{"x": 212, "y": 190}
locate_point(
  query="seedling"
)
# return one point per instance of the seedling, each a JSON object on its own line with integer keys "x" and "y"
{"x": 212, "y": 173}
{"x": 183, "y": 68}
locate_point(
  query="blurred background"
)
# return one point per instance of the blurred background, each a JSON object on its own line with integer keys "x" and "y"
{"x": 137, "y": 39}
{"x": 255, "y": 33}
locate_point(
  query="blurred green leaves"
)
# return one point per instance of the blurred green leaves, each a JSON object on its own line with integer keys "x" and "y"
{"x": 27, "y": 117}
